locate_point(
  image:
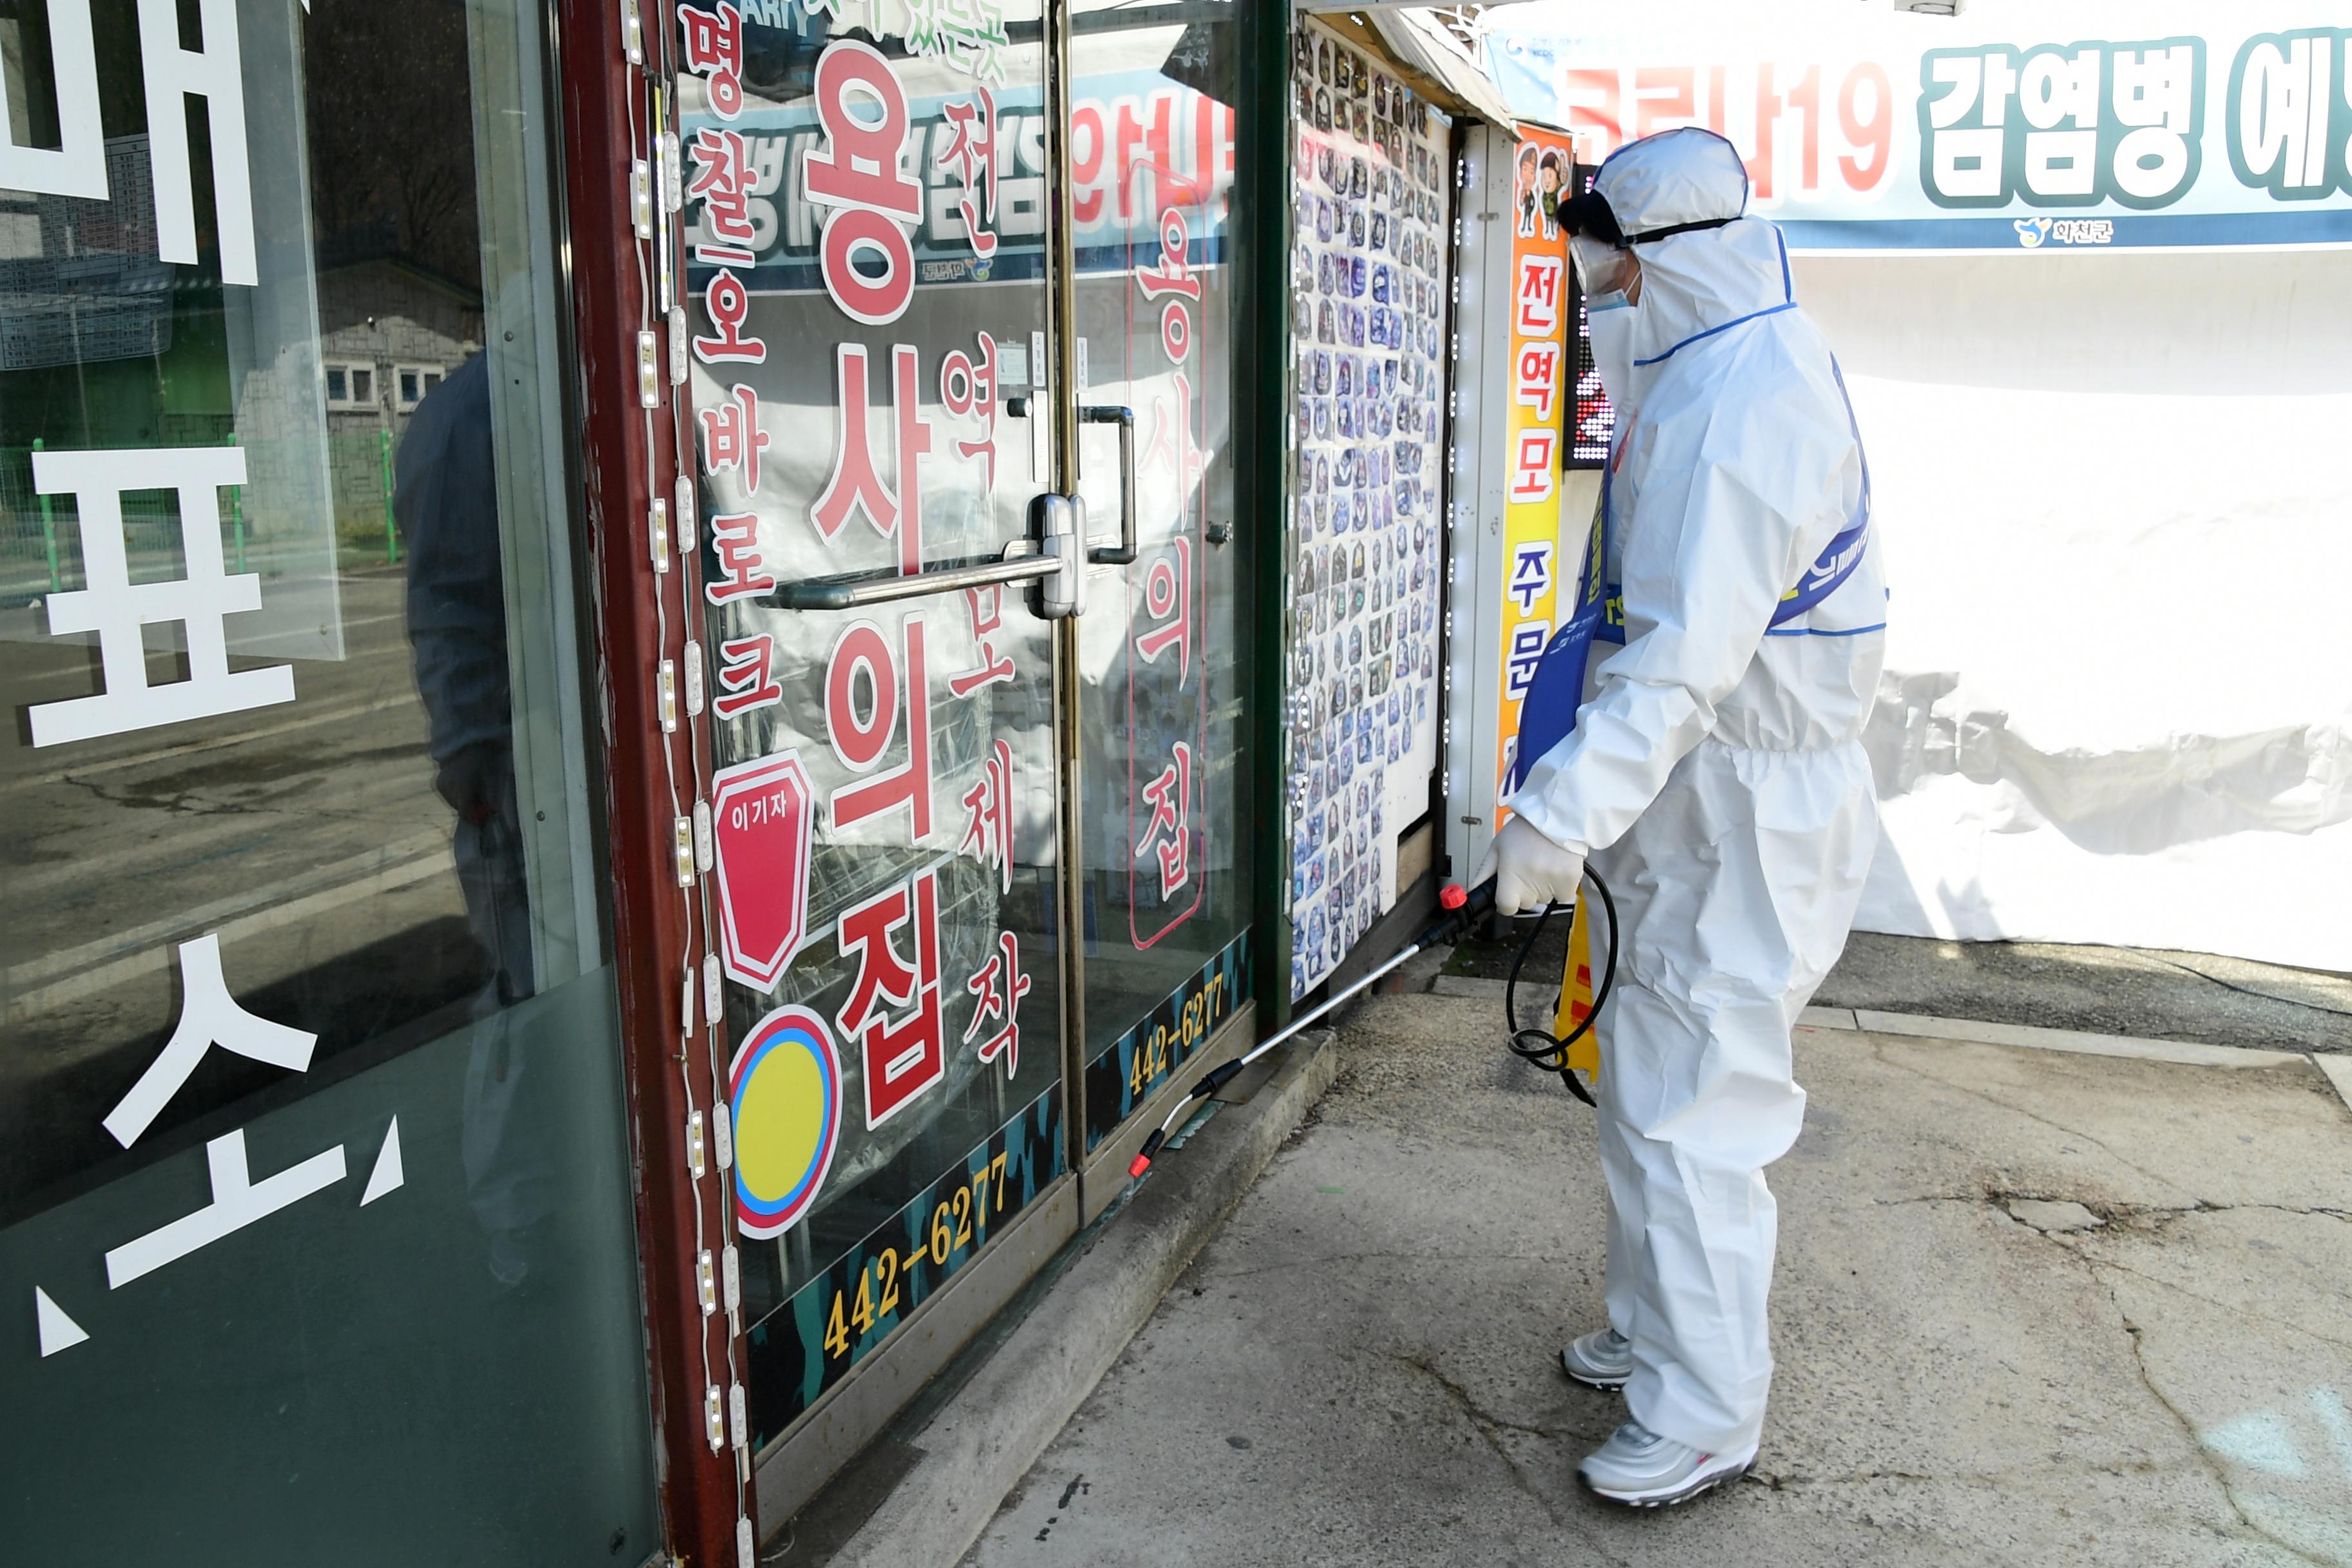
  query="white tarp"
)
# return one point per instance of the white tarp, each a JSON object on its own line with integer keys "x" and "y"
{"x": 2119, "y": 678}
{"x": 2114, "y": 492}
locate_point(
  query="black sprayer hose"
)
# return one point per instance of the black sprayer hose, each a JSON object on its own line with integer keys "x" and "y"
{"x": 1460, "y": 909}
{"x": 1538, "y": 1046}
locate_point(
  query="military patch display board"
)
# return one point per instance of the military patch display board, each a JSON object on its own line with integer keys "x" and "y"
{"x": 1369, "y": 264}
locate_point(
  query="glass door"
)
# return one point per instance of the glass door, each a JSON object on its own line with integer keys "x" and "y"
{"x": 884, "y": 563}
{"x": 1163, "y": 653}
{"x": 959, "y": 337}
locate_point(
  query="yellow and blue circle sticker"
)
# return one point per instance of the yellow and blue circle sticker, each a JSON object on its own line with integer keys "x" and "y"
{"x": 785, "y": 1099}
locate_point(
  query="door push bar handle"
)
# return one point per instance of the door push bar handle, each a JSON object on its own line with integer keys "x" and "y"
{"x": 1020, "y": 563}
{"x": 1100, "y": 554}
{"x": 1052, "y": 559}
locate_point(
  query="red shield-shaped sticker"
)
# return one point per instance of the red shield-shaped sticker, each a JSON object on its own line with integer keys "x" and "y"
{"x": 759, "y": 823}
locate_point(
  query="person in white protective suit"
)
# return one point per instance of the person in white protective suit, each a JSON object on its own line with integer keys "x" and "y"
{"x": 1715, "y": 776}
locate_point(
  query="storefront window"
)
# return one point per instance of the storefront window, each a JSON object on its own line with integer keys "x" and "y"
{"x": 873, "y": 315}
{"x": 885, "y": 777}
{"x": 312, "y": 1162}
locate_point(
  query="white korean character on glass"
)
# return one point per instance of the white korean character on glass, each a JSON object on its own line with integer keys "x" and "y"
{"x": 76, "y": 166}
{"x": 214, "y": 73}
{"x": 115, "y": 608}
{"x": 210, "y": 1017}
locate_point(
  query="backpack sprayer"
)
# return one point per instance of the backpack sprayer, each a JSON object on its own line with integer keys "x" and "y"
{"x": 1547, "y": 714}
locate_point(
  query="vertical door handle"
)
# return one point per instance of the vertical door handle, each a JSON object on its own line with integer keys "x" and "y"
{"x": 1122, "y": 553}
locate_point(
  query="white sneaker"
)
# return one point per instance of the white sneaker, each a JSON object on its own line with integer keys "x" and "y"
{"x": 1641, "y": 1469}
{"x": 1601, "y": 1359}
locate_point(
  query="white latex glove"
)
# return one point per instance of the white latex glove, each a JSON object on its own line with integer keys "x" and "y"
{"x": 1529, "y": 870}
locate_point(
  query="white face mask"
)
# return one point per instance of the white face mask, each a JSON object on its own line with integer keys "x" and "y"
{"x": 1605, "y": 272}
{"x": 1611, "y": 320}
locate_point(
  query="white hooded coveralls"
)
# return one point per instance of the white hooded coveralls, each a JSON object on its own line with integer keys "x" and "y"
{"x": 1715, "y": 772}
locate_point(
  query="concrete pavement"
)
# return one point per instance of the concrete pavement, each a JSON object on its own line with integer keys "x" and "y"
{"x": 2032, "y": 1307}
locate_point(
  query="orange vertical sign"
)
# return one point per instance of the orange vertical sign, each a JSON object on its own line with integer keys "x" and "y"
{"x": 1538, "y": 302}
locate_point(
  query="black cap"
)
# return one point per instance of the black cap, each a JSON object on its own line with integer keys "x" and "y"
{"x": 1590, "y": 214}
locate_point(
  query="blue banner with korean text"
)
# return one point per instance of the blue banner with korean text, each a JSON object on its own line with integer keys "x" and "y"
{"x": 2158, "y": 126}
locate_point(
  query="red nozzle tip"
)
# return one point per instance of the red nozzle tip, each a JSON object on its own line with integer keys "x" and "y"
{"x": 1137, "y": 1166}
{"x": 1452, "y": 896}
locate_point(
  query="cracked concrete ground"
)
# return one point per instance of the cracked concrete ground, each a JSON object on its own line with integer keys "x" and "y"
{"x": 2031, "y": 1308}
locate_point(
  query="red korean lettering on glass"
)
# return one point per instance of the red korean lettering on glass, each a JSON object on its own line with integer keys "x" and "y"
{"x": 1168, "y": 599}
{"x": 862, "y": 728}
{"x": 746, "y": 677}
{"x": 727, "y": 304}
{"x": 732, "y": 437}
{"x": 969, "y": 390}
{"x": 714, "y": 50}
{"x": 999, "y": 986}
{"x": 988, "y": 827}
{"x": 1173, "y": 276}
{"x": 856, "y": 484}
{"x": 742, "y": 570}
{"x": 986, "y": 608}
{"x": 855, "y": 174}
{"x": 902, "y": 1059}
{"x": 1172, "y": 447}
{"x": 1168, "y": 837}
{"x": 971, "y": 153}
{"x": 723, "y": 181}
